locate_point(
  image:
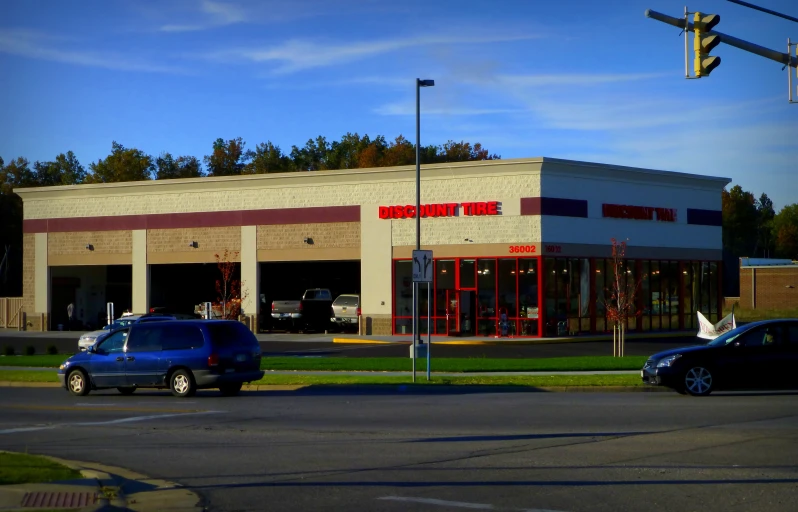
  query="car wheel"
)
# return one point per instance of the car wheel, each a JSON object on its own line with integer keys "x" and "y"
{"x": 182, "y": 384}
{"x": 698, "y": 381}
{"x": 78, "y": 383}
{"x": 127, "y": 390}
{"x": 230, "y": 389}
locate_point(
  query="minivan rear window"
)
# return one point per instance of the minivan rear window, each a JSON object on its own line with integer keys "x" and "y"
{"x": 346, "y": 300}
{"x": 231, "y": 333}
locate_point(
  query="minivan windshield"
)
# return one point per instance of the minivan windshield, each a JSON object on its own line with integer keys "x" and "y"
{"x": 728, "y": 337}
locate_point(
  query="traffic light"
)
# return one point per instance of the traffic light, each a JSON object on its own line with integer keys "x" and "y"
{"x": 704, "y": 43}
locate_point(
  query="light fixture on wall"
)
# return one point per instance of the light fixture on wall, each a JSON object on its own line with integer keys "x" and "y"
{"x": 469, "y": 240}
{"x": 308, "y": 240}
{"x": 89, "y": 247}
{"x": 193, "y": 244}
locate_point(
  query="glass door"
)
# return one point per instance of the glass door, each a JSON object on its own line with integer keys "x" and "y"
{"x": 467, "y": 313}
{"x": 452, "y": 312}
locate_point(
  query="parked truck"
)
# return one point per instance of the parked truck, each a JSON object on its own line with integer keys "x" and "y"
{"x": 311, "y": 312}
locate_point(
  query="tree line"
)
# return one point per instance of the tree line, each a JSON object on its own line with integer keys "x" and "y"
{"x": 227, "y": 158}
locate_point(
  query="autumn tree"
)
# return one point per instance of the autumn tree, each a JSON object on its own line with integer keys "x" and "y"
{"x": 64, "y": 170}
{"x": 228, "y": 286}
{"x": 399, "y": 152}
{"x": 785, "y": 232}
{"x": 622, "y": 303}
{"x": 168, "y": 167}
{"x": 228, "y": 157}
{"x": 123, "y": 164}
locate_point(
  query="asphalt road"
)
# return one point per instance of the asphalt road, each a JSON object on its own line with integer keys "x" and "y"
{"x": 322, "y": 346}
{"x": 339, "y": 449}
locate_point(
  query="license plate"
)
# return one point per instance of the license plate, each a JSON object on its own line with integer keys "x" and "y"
{"x": 343, "y": 309}
{"x": 285, "y": 315}
{"x": 230, "y": 370}
{"x": 241, "y": 358}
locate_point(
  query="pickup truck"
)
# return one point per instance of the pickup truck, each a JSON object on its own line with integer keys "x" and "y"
{"x": 310, "y": 312}
{"x": 346, "y": 312}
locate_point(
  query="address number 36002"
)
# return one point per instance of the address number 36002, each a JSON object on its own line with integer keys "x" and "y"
{"x": 522, "y": 249}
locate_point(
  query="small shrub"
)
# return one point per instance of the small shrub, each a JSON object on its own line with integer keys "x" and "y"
{"x": 8, "y": 350}
{"x": 30, "y": 350}
{"x": 52, "y": 350}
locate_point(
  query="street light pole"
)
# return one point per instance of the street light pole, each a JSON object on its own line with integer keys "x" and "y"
{"x": 416, "y": 321}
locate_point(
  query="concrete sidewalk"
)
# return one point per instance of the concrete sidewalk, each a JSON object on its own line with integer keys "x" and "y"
{"x": 101, "y": 488}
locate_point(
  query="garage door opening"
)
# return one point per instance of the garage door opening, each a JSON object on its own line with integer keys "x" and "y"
{"x": 179, "y": 288}
{"x": 88, "y": 289}
{"x": 289, "y": 280}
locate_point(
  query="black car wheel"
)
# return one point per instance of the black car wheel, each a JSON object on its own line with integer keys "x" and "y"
{"x": 127, "y": 390}
{"x": 698, "y": 381}
{"x": 182, "y": 384}
{"x": 78, "y": 383}
{"x": 230, "y": 389}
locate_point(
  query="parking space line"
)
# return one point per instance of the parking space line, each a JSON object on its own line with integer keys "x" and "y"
{"x": 131, "y": 419}
{"x": 459, "y": 504}
{"x": 104, "y": 409}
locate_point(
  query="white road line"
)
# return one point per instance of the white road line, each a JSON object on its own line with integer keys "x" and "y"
{"x": 459, "y": 504}
{"x": 100, "y": 423}
{"x": 444, "y": 503}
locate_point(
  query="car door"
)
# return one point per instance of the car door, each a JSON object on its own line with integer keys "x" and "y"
{"x": 761, "y": 350}
{"x": 790, "y": 355}
{"x": 143, "y": 354}
{"x": 107, "y": 363}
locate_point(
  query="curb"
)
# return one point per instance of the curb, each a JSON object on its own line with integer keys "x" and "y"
{"x": 518, "y": 341}
{"x": 110, "y": 483}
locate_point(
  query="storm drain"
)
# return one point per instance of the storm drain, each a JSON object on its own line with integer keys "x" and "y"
{"x": 58, "y": 499}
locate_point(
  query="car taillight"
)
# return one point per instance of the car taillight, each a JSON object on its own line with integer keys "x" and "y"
{"x": 358, "y": 312}
{"x": 152, "y": 310}
{"x": 300, "y": 306}
{"x": 272, "y": 306}
{"x": 213, "y": 360}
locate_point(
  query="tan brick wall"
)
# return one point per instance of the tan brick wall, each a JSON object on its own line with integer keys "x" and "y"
{"x": 772, "y": 288}
{"x": 74, "y": 243}
{"x": 325, "y": 236}
{"x": 376, "y": 325}
{"x": 455, "y": 230}
{"x": 208, "y": 240}
{"x": 28, "y": 272}
{"x": 232, "y": 195}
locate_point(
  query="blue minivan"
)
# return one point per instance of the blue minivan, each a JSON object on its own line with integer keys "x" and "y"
{"x": 182, "y": 355}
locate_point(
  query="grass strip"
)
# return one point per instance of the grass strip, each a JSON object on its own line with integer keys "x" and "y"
{"x": 456, "y": 364}
{"x": 755, "y": 315}
{"x": 20, "y": 468}
{"x": 27, "y": 376}
{"x": 534, "y": 381}
{"x": 398, "y": 364}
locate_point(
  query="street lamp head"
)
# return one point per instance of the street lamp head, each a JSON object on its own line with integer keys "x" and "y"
{"x": 425, "y": 83}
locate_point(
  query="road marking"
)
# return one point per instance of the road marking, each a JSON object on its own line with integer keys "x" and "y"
{"x": 108, "y": 405}
{"x": 101, "y": 423}
{"x": 459, "y": 504}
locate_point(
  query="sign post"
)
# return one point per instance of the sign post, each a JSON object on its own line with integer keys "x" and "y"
{"x": 109, "y": 310}
{"x": 422, "y": 273}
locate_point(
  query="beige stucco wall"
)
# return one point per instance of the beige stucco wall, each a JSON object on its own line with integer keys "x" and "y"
{"x": 325, "y": 236}
{"x": 172, "y": 245}
{"x": 140, "y": 272}
{"x": 42, "y": 278}
{"x": 375, "y": 262}
{"x": 29, "y": 273}
{"x": 108, "y": 248}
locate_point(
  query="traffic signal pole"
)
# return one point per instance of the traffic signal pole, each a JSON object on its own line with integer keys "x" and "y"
{"x": 783, "y": 58}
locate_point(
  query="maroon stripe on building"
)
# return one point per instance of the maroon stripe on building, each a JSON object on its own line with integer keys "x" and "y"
{"x": 554, "y": 206}
{"x": 704, "y": 217}
{"x": 321, "y": 215}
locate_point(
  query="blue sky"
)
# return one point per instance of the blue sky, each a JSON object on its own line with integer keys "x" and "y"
{"x": 580, "y": 79}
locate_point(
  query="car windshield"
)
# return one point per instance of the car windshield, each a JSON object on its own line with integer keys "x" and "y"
{"x": 728, "y": 337}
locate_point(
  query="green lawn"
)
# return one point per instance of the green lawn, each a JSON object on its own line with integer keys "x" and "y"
{"x": 393, "y": 364}
{"x": 535, "y": 381}
{"x": 27, "y": 376}
{"x": 754, "y": 315}
{"x": 19, "y": 468}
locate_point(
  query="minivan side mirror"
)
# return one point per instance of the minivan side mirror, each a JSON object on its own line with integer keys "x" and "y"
{"x": 91, "y": 349}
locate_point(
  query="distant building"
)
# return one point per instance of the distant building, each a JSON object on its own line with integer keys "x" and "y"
{"x": 767, "y": 283}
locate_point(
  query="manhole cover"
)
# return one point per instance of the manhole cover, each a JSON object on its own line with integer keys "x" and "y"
{"x": 58, "y": 499}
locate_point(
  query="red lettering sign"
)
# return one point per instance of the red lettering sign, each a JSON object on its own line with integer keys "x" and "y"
{"x": 619, "y": 211}
{"x": 440, "y": 210}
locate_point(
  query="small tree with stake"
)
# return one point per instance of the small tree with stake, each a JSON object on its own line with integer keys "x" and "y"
{"x": 228, "y": 288}
{"x": 623, "y": 298}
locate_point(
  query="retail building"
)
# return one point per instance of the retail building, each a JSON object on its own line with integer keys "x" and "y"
{"x": 525, "y": 239}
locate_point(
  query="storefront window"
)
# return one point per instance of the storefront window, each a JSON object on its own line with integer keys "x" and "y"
{"x": 444, "y": 280}
{"x": 704, "y": 289}
{"x": 687, "y": 295}
{"x": 486, "y": 286}
{"x": 645, "y": 295}
{"x": 507, "y": 291}
{"x": 713, "y": 291}
{"x": 403, "y": 289}
{"x": 670, "y": 291}
{"x": 468, "y": 273}
{"x": 601, "y": 309}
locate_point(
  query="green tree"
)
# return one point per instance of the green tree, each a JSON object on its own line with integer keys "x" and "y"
{"x": 740, "y": 222}
{"x": 64, "y": 170}
{"x": 268, "y": 158}
{"x": 399, "y": 152}
{"x": 168, "y": 167}
{"x": 785, "y": 232}
{"x": 463, "y": 152}
{"x": 312, "y": 157}
{"x": 765, "y": 243}
{"x": 228, "y": 157}
{"x": 123, "y": 164}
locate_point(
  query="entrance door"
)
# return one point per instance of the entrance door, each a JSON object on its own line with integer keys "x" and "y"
{"x": 452, "y": 312}
{"x": 467, "y": 313}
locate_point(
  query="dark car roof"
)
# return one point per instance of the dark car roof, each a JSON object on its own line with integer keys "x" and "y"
{"x": 770, "y": 321}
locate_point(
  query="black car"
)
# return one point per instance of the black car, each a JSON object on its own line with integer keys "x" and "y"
{"x": 759, "y": 355}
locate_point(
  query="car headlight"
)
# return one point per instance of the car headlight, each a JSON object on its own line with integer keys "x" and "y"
{"x": 90, "y": 339}
{"x": 64, "y": 366}
{"x": 668, "y": 361}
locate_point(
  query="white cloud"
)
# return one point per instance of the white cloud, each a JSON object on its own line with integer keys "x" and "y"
{"x": 297, "y": 55}
{"x": 35, "y": 46}
{"x": 572, "y": 79}
{"x": 214, "y": 14}
{"x": 409, "y": 109}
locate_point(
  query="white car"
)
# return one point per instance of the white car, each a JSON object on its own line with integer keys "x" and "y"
{"x": 90, "y": 338}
